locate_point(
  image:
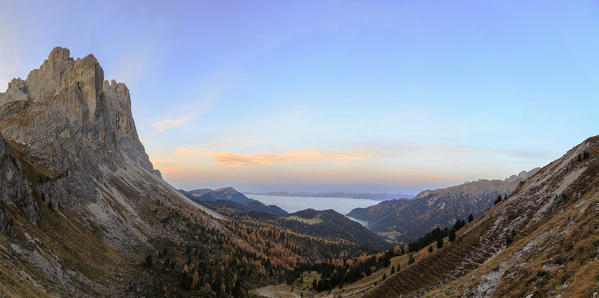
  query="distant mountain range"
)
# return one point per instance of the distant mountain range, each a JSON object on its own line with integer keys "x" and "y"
{"x": 407, "y": 219}
{"x": 326, "y": 223}
{"x": 369, "y": 196}
{"x": 228, "y": 197}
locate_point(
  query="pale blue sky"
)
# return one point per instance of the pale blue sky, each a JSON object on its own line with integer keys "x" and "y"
{"x": 392, "y": 96}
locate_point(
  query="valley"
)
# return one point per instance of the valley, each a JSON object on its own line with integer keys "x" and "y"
{"x": 276, "y": 159}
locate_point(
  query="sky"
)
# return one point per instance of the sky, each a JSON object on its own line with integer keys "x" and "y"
{"x": 314, "y": 96}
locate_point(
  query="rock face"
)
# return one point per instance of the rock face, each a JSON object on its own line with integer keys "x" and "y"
{"x": 73, "y": 102}
{"x": 14, "y": 190}
{"x": 72, "y": 167}
{"x": 541, "y": 241}
{"x": 408, "y": 219}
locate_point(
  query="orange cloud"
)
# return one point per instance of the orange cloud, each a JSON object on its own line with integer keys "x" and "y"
{"x": 170, "y": 170}
{"x": 230, "y": 159}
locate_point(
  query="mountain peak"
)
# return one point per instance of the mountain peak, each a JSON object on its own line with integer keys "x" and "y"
{"x": 91, "y": 115}
{"x": 225, "y": 189}
{"x": 59, "y": 54}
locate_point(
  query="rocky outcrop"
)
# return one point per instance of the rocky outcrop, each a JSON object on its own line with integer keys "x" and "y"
{"x": 14, "y": 189}
{"x": 71, "y": 118}
{"x": 75, "y": 178}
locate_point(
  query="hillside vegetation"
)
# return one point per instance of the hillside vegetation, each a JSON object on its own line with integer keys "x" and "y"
{"x": 541, "y": 240}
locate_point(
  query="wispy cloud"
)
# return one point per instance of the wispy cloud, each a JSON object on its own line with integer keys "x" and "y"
{"x": 230, "y": 159}
{"x": 179, "y": 115}
{"x": 167, "y": 124}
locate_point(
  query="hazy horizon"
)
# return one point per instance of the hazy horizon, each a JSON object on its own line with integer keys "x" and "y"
{"x": 298, "y": 188}
{"x": 321, "y": 96}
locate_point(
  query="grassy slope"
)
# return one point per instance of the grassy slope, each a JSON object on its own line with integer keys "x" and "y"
{"x": 556, "y": 254}
{"x": 566, "y": 264}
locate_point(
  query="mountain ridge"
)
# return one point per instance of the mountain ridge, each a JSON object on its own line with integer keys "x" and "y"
{"x": 408, "y": 219}
{"x": 228, "y": 197}
{"x": 74, "y": 169}
{"x": 541, "y": 240}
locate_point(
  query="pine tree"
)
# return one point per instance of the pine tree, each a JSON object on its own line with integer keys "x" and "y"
{"x": 392, "y": 270}
{"x": 149, "y": 261}
{"x": 452, "y": 235}
{"x": 237, "y": 290}
{"x": 470, "y": 217}
{"x": 411, "y": 259}
{"x": 430, "y": 248}
{"x": 440, "y": 243}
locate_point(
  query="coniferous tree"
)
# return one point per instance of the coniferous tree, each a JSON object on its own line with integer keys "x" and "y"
{"x": 452, "y": 235}
{"x": 149, "y": 261}
{"x": 440, "y": 243}
{"x": 470, "y": 217}
{"x": 430, "y": 248}
{"x": 498, "y": 199}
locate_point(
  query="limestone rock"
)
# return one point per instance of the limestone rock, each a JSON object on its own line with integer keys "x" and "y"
{"x": 14, "y": 188}
{"x": 97, "y": 112}
{"x": 74, "y": 174}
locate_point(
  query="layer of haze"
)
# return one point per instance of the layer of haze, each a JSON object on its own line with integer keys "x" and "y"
{"x": 348, "y": 96}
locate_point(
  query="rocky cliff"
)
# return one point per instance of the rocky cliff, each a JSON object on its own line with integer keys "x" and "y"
{"x": 79, "y": 196}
